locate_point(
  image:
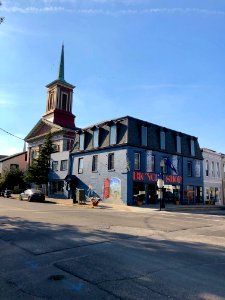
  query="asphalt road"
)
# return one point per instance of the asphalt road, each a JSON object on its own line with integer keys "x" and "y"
{"x": 50, "y": 251}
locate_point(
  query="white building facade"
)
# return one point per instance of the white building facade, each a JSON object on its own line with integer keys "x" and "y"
{"x": 212, "y": 177}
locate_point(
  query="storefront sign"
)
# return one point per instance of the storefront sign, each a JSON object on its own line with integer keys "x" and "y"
{"x": 153, "y": 177}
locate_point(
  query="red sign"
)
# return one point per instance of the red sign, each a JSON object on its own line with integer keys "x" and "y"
{"x": 153, "y": 177}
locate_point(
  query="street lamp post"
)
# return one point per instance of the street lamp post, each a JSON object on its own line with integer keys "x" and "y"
{"x": 160, "y": 184}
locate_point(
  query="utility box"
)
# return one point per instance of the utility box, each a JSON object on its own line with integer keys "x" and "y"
{"x": 80, "y": 196}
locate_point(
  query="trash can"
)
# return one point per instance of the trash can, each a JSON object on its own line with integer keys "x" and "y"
{"x": 80, "y": 196}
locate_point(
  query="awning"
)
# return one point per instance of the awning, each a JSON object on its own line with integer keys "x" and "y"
{"x": 70, "y": 178}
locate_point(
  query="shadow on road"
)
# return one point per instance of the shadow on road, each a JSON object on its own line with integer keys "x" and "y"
{"x": 122, "y": 265}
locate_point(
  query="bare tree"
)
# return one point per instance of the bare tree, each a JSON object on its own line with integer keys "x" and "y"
{"x": 1, "y": 18}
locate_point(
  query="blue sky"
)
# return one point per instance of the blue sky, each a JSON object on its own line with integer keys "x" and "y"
{"x": 160, "y": 61}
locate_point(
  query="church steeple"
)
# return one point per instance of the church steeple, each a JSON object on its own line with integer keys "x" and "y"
{"x": 61, "y": 65}
{"x": 60, "y": 99}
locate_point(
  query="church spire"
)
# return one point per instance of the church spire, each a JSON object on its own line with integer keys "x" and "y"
{"x": 61, "y": 66}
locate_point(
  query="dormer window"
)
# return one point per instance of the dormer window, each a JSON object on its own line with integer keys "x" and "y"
{"x": 178, "y": 144}
{"x": 162, "y": 140}
{"x": 82, "y": 141}
{"x": 96, "y": 137}
{"x": 113, "y": 135}
{"x": 144, "y": 136}
{"x": 192, "y": 147}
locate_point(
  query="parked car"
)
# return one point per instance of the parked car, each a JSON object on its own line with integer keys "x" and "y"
{"x": 32, "y": 195}
{"x": 6, "y": 193}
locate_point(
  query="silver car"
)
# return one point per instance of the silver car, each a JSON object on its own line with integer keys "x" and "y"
{"x": 32, "y": 195}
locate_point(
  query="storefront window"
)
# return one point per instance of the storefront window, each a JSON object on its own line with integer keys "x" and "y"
{"x": 190, "y": 194}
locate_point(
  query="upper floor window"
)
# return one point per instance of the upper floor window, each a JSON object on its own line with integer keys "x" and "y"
{"x": 175, "y": 162}
{"x": 137, "y": 161}
{"x": 35, "y": 154}
{"x": 64, "y": 165}
{"x": 197, "y": 168}
{"x": 144, "y": 132}
{"x": 67, "y": 144}
{"x": 189, "y": 168}
{"x": 163, "y": 166}
{"x": 82, "y": 141}
{"x": 223, "y": 168}
{"x": 80, "y": 165}
{"x": 111, "y": 161}
{"x": 150, "y": 161}
{"x": 55, "y": 165}
{"x": 56, "y": 148}
{"x": 178, "y": 144}
{"x": 212, "y": 169}
{"x": 95, "y": 163}
{"x": 218, "y": 169}
{"x": 96, "y": 138}
{"x": 192, "y": 147}
{"x": 64, "y": 101}
{"x": 162, "y": 140}
{"x": 113, "y": 133}
{"x": 206, "y": 168}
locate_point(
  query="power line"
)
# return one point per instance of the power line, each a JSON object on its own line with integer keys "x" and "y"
{"x": 11, "y": 134}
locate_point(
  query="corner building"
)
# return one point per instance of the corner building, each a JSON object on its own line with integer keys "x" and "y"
{"x": 119, "y": 160}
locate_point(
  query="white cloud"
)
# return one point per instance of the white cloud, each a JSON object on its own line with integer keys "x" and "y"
{"x": 75, "y": 7}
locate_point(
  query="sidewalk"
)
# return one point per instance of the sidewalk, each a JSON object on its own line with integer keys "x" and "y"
{"x": 143, "y": 208}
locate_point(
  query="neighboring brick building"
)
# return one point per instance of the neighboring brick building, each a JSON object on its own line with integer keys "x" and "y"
{"x": 60, "y": 122}
{"x": 16, "y": 161}
{"x": 119, "y": 160}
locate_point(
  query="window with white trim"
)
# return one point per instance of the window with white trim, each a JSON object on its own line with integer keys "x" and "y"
{"x": 80, "y": 165}
{"x": 95, "y": 163}
{"x": 213, "y": 169}
{"x": 189, "y": 168}
{"x": 111, "y": 161}
{"x": 55, "y": 165}
{"x": 207, "y": 168}
{"x": 137, "y": 161}
{"x": 64, "y": 165}
{"x": 218, "y": 169}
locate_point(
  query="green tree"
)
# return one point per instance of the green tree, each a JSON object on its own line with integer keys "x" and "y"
{"x": 12, "y": 178}
{"x": 39, "y": 169}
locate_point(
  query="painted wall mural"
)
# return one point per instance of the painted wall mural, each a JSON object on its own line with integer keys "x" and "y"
{"x": 112, "y": 188}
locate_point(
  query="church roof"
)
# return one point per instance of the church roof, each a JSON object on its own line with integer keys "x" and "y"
{"x": 44, "y": 127}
